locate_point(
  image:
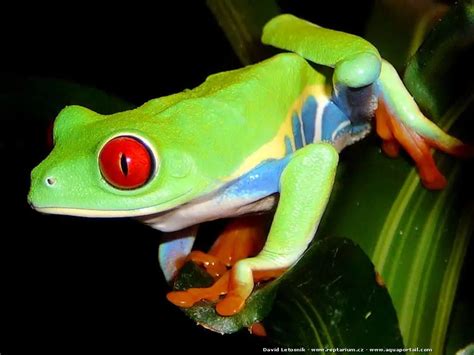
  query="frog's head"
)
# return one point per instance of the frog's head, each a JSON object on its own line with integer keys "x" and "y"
{"x": 121, "y": 165}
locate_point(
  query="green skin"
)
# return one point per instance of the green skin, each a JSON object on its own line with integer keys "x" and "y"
{"x": 193, "y": 137}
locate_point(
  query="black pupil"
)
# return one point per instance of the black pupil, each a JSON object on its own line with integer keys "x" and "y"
{"x": 124, "y": 164}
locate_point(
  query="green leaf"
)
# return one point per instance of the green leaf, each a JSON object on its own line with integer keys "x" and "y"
{"x": 441, "y": 71}
{"x": 397, "y": 28}
{"x": 416, "y": 238}
{"x": 258, "y": 305}
{"x": 242, "y": 22}
{"x": 337, "y": 304}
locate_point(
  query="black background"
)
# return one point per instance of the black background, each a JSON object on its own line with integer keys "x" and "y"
{"x": 94, "y": 286}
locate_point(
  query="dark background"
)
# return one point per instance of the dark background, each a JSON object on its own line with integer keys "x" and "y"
{"x": 85, "y": 285}
{"x": 138, "y": 52}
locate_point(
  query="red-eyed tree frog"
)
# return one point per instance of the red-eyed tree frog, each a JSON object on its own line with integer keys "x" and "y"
{"x": 245, "y": 141}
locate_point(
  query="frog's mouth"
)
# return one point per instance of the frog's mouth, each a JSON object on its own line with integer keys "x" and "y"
{"x": 92, "y": 213}
{"x": 82, "y": 212}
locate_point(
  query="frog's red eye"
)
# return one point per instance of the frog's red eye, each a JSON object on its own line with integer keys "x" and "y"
{"x": 126, "y": 163}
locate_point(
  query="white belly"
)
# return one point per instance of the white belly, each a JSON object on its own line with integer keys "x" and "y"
{"x": 207, "y": 210}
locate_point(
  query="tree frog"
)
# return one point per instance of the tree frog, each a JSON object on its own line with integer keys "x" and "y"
{"x": 261, "y": 138}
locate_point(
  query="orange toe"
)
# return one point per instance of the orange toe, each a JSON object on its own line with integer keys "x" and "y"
{"x": 429, "y": 174}
{"x": 191, "y": 296}
{"x": 182, "y": 299}
{"x": 457, "y": 149}
{"x": 258, "y": 329}
{"x": 395, "y": 134}
{"x": 391, "y": 148}
{"x": 230, "y": 305}
{"x": 436, "y": 184}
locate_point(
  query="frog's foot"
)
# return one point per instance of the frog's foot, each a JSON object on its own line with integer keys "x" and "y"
{"x": 213, "y": 265}
{"x": 399, "y": 122}
{"x": 188, "y": 298}
{"x": 229, "y": 305}
{"x": 395, "y": 134}
{"x": 243, "y": 237}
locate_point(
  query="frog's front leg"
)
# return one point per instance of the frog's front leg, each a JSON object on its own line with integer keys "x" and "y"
{"x": 305, "y": 187}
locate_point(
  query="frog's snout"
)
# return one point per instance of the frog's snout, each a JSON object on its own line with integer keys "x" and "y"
{"x": 41, "y": 183}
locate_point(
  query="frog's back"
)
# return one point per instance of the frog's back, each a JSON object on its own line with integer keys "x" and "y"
{"x": 242, "y": 114}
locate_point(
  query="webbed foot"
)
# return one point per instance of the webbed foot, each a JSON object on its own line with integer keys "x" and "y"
{"x": 242, "y": 238}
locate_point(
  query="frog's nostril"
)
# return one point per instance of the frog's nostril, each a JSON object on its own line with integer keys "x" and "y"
{"x": 50, "y": 181}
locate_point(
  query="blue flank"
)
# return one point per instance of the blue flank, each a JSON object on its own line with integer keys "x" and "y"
{"x": 332, "y": 119}
{"x": 288, "y": 146}
{"x": 341, "y": 99}
{"x": 264, "y": 180}
{"x": 308, "y": 115}
{"x": 259, "y": 182}
{"x": 334, "y": 122}
{"x": 295, "y": 120}
{"x": 356, "y": 104}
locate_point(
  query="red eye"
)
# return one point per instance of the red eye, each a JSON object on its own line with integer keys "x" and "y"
{"x": 126, "y": 163}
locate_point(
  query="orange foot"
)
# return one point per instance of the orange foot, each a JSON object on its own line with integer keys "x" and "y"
{"x": 394, "y": 133}
{"x": 213, "y": 265}
{"x": 231, "y": 304}
{"x": 188, "y": 298}
{"x": 242, "y": 238}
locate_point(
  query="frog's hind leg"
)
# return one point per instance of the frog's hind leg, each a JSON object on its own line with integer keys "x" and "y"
{"x": 399, "y": 122}
{"x": 394, "y": 134}
{"x": 362, "y": 79}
